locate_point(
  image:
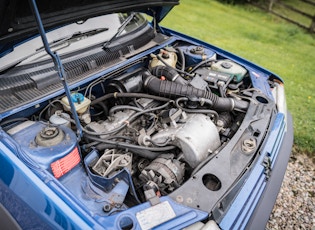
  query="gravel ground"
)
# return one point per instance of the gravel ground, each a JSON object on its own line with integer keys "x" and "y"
{"x": 295, "y": 205}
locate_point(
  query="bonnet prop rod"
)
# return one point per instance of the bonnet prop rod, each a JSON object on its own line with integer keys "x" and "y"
{"x": 58, "y": 66}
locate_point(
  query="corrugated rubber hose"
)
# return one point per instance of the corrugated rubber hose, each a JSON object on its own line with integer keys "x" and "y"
{"x": 171, "y": 89}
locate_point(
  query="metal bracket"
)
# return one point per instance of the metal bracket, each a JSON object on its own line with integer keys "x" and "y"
{"x": 267, "y": 165}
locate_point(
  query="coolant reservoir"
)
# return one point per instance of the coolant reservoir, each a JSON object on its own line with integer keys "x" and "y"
{"x": 229, "y": 67}
{"x": 80, "y": 102}
{"x": 196, "y": 54}
{"x": 165, "y": 56}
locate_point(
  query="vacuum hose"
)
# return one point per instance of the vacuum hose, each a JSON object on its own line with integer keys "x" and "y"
{"x": 171, "y": 89}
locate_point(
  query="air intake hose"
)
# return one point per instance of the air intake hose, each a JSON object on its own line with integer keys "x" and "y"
{"x": 173, "y": 90}
{"x": 169, "y": 73}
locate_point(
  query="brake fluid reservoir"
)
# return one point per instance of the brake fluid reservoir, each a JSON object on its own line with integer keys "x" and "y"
{"x": 230, "y": 67}
{"x": 53, "y": 148}
{"x": 165, "y": 56}
{"x": 80, "y": 102}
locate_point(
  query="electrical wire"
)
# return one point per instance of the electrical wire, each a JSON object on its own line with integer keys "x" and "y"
{"x": 47, "y": 106}
{"x": 178, "y": 70}
{"x": 128, "y": 145}
{"x": 199, "y": 64}
{"x": 122, "y": 107}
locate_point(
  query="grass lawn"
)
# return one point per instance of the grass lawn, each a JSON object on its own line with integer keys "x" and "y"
{"x": 283, "y": 48}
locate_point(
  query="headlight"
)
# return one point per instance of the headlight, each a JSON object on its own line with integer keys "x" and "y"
{"x": 279, "y": 96}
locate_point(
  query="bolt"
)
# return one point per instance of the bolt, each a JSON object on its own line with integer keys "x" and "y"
{"x": 179, "y": 199}
{"x": 107, "y": 208}
{"x": 189, "y": 200}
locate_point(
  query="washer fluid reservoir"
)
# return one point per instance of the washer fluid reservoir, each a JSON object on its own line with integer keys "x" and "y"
{"x": 53, "y": 148}
{"x": 230, "y": 67}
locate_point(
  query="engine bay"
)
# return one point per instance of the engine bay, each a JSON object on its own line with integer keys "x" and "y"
{"x": 147, "y": 129}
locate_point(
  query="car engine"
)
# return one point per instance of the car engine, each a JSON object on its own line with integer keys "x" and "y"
{"x": 146, "y": 127}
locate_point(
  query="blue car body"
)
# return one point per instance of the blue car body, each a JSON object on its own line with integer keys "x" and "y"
{"x": 233, "y": 186}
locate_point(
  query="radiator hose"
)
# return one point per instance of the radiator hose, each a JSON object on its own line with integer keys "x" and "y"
{"x": 171, "y": 89}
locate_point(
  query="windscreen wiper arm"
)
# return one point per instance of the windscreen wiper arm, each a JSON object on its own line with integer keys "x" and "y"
{"x": 120, "y": 29}
{"x": 75, "y": 36}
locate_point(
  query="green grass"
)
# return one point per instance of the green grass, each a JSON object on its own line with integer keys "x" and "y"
{"x": 263, "y": 39}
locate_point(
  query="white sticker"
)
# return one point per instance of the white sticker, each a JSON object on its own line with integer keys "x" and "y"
{"x": 155, "y": 215}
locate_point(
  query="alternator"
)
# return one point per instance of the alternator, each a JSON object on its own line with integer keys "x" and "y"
{"x": 167, "y": 173}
